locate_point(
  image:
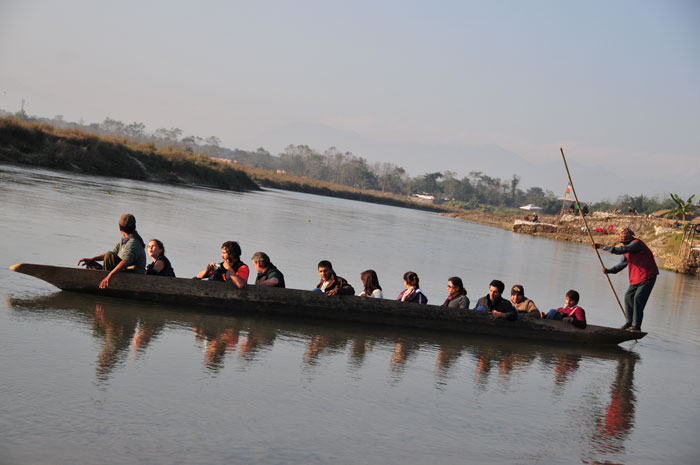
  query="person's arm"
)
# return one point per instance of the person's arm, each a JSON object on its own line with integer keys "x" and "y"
{"x": 240, "y": 277}
{"x": 512, "y": 313}
{"x": 346, "y": 289}
{"x": 507, "y": 313}
{"x": 206, "y": 272}
{"x": 159, "y": 265}
{"x": 617, "y": 268}
{"x": 576, "y": 317}
{"x": 85, "y": 261}
{"x": 105, "y": 282}
{"x": 342, "y": 288}
{"x": 632, "y": 247}
{"x": 270, "y": 281}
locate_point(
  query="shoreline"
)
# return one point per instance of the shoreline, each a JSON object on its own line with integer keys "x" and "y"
{"x": 661, "y": 235}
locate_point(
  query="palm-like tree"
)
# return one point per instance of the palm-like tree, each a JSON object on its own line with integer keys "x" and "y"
{"x": 682, "y": 209}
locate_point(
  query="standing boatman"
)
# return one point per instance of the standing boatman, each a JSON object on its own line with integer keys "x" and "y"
{"x": 642, "y": 275}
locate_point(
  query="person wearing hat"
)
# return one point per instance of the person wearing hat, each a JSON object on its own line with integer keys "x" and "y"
{"x": 522, "y": 304}
{"x": 129, "y": 251}
{"x": 642, "y": 275}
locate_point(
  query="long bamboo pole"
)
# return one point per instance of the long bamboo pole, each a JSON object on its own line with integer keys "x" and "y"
{"x": 588, "y": 230}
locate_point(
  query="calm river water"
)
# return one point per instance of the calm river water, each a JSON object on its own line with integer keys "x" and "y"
{"x": 86, "y": 379}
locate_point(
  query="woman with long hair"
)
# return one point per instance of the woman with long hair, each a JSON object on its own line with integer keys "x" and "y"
{"x": 371, "y": 283}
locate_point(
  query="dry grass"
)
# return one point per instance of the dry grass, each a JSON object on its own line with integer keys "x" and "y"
{"x": 75, "y": 150}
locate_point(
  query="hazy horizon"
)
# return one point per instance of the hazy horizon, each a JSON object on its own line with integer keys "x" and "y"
{"x": 427, "y": 86}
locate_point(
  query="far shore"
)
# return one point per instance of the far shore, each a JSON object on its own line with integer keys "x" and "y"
{"x": 40, "y": 145}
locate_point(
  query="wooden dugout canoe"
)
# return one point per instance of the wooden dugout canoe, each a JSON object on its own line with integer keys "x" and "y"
{"x": 309, "y": 304}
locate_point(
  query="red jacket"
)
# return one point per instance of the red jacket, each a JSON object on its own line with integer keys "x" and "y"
{"x": 638, "y": 258}
{"x": 577, "y": 314}
{"x": 641, "y": 264}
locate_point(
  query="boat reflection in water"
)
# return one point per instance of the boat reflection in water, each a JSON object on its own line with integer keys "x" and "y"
{"x": 129, "y": 331}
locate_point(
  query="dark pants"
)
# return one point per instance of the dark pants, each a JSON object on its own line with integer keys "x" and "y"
{"x": 554, "y": 314}
{"x": 111, "y": 261}
{"x": 636, "y": 299}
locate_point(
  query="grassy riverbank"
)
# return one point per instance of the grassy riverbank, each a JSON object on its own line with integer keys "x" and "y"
{"x": 44, "y": 146}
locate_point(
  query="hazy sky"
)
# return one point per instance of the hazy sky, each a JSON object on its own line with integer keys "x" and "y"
{"x": 616, "y": 83}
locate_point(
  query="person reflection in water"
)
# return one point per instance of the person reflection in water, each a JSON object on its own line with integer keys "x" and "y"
{"x": 116, "y": 334}
{"x": 617, "y": 422}
{"x": 564, "y": 367}
{"x": 216, "y": 344}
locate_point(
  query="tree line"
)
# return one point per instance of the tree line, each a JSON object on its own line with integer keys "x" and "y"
{"x": 475, "y": 191}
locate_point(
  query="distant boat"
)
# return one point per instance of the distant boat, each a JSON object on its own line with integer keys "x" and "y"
{"x": 530, "y": 206}
{"x": 314, "y": 305}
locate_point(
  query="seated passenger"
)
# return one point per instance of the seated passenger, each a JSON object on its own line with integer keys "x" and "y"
{"x": 412, "y": 293}
{"x": 232, "y": 269}
{"x": 268, "y": 274}
{"x": 161, "y": 265}
{"x": 371, "y": 283}
{"x": 128, "y": 252}
{"x": 496, "y": 305}
{"x": 456, "y": 294}
{"x": 331, "y": 284}
{"x": 522, "y": 304}
{"x": 571, "y": 313}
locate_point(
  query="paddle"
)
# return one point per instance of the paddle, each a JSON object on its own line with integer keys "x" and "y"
{"x": 588, "y": 230}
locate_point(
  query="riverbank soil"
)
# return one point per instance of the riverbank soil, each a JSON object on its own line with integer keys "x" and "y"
{"x": 662, "y": 236}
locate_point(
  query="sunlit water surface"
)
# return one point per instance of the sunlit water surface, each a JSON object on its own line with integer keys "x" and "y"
{"x": 89, "y": 379}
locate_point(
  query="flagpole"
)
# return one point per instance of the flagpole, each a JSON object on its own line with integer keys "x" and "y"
{"x": 588, "y": 230}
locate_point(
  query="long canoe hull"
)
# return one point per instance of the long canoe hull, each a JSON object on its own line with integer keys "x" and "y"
{"x": 308, "y": 304}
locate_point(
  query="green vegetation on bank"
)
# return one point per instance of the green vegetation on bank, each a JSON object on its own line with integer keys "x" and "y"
{"x": 75, "y": 150}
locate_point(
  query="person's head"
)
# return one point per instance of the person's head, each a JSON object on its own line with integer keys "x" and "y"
{"x": 261, "y": 261}
{"x": 496, "y": 289}
{"x": 230, "y": 251}
{"x": 155, "y": 248}
{"x": 517, "y": 294}
{"x": 325, "y": 270}
{"x": 454, "y": 285}
{"x": 572, "y": 298}
{"x": 370, "y": 280}
{"x": 127, "y": 223}
{"x": 410, "y": 279}
{"x": 626, "y": 235}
